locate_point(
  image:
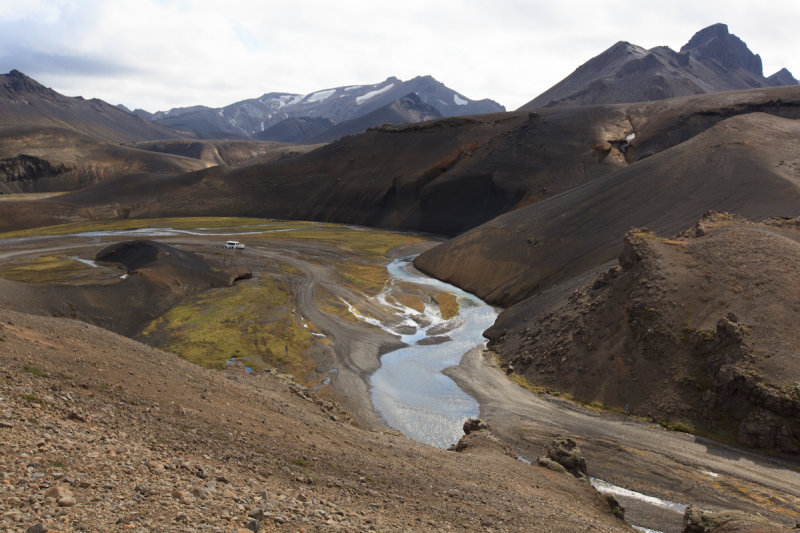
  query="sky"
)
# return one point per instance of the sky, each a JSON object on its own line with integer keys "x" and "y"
{"x": 160, "y": 54}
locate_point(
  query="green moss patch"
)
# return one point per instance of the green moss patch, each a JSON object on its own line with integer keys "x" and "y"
{"x": 249, "y": 322}
{"x": 45, "y": 269}
{"x": 375, "y": 242}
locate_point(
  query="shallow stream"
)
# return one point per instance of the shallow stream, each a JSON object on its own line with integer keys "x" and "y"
{"x": 409, "y": 390}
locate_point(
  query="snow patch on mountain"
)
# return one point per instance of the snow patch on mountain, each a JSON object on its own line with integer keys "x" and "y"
{"x": 320, "y": 96}
{"x": 459, "y": 101}
{"x": 364, "y": 97}
{"x": 289, "y": 99}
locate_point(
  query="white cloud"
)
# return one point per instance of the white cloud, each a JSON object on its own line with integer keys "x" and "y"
{"x": 159, "y": 54}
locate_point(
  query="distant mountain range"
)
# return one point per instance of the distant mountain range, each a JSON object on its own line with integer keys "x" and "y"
{"x": 251, "y": 118}
{"x": 714, "y": 60}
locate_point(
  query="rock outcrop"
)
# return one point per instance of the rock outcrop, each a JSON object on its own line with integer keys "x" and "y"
{"x": 478, "y": 438}
{"x": 566, "y": 452}
{"x": 695, "y": 520}
{"x": 694, "y": 331}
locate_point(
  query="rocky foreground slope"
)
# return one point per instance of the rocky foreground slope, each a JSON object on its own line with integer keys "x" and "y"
{"x": 101, "y": 433}
{"x": 696, "y": 331}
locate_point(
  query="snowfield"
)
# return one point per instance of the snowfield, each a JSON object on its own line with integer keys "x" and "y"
{"x": 364, "y": 97}
{"x": 320, "y": 96}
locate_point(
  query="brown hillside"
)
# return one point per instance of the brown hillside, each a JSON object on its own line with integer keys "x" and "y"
{"x": 696, "y": 329}
{"x": 43, "y": 159}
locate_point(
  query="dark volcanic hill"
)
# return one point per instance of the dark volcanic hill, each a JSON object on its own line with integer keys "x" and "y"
{"x": 444, "y": 176}
{"x": 248, "y": 118}
{"x": 695, "y": 330}
{"x": 23, "y": 101}
{"x": 712, "y": 61}
{"x": 449, "y": 175}
{"x": 746, "y": 164}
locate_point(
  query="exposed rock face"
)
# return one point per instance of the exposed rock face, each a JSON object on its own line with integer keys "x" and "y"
{"x": 28, "y": 168}
{"x": 715, "y": 43}
{"x": 566, "y": 452}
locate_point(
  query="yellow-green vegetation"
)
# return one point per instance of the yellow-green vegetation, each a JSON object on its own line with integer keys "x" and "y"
{"x": 376, "y": 242}
{"x": 448, "y": 304}
{"x": 22, "y": 196}
{"x": 35, "y": 371}
{"x": 250, "y": 322}
{"x": 44, "y": 269}
{"x": 369, "y": 278}
{"x": 675, "y": 242}
{"x": 290, "y": 269}
{"x": 184, "y": 223}
{"x": 676, "y": 425}
{"x": 32, "y": 398}
{"x": 329, "y": 304}
{"x": 408, "y": 300}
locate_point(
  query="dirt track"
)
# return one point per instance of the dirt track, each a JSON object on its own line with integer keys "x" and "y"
{"x": 637, "y": 455}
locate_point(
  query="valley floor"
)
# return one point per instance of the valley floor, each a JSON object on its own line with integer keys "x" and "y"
{"x": 139, "y": 438}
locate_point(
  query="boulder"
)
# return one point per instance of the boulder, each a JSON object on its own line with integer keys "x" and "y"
{"x": 567, "y": 453}
{"x": 474, "y": 424}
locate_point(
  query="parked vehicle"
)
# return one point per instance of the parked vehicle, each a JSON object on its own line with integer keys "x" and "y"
{"x": 236, "y": 245}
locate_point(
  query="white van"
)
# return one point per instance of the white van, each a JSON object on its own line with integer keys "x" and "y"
{"x": 236, "y": 245}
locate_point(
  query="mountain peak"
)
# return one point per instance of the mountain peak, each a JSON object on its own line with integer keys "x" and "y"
{"x": 782, "y": 77}
{"x": 715, "y": 31}
{"x": 715, "y": 42}
{"x": 18, "y": 82}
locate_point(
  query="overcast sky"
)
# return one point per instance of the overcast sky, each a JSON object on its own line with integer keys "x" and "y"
{"x": 159, "y": 54}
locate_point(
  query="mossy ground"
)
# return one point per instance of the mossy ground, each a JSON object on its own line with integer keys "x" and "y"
{"x": 249, "y": 322}
{"x": 235, "y": 224}
{"x": 374, "y": 242}
{"x": 45, "y": 269}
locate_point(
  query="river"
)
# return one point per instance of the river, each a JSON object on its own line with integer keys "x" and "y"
{"x": 409, "y": 390}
